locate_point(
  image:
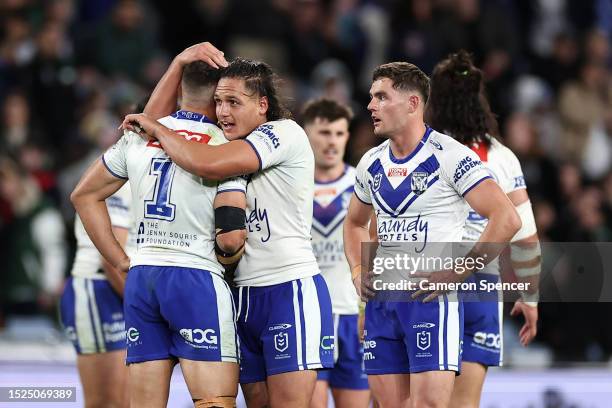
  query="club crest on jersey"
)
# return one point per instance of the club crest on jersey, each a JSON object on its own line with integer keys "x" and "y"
{"x": 376, "y": 184}
{"x": 418, "y": 182}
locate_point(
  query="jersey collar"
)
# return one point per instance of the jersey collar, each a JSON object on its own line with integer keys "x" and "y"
{"x": 414, "y": 152}
{"x": 196, "y": 117}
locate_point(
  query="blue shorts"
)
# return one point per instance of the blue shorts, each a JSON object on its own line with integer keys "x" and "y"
{"x": 283, "y": 328}
{"x": 178, "y": 312}
{"x": 482, "y": 333}
{"x": 348, "y": 371}
{"x": 92, "y": 315}
{"x": 412, "y": 336}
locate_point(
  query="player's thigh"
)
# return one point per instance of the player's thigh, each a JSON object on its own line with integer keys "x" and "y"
{"x": 255, "y": 394}
{"x": 346, "y": 398}
{"x": 292, "y": 390}
{"x": 319, "y": 395}
{"x": 390, "y": 390}
{"x": 210, "y": 379}
{"x": 149, "y": 383}
{"x": 104, "y": 379}
{"x": 468, "y": 386}
{"x": 431, "y": 389}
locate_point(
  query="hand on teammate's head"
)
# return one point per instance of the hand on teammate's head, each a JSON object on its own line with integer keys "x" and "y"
{"x": 204, "y": 51}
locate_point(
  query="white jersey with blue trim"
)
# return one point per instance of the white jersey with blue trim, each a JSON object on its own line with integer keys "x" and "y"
{"x": 279, "y": 207}
{"x": 87, "y": 260}
{"x": 504, "y": 167}
{"x": 330, "y": 205}
{"x": 419, "y": 198}
{"x": 172, "y": 208}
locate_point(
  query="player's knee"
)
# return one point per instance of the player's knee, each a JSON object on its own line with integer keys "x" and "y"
{"x": 427, "y": 401}
{"x": 103, "y": 402}
{"x": 215, "y": 402}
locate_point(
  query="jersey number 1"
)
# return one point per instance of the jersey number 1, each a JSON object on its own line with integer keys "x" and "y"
{"x": 160, "y": 207}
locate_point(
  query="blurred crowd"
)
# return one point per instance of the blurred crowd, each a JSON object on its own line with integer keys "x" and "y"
{"x": 70, "y": 70}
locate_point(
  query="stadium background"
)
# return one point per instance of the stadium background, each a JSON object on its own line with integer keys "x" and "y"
{"x": 70, "y": 70}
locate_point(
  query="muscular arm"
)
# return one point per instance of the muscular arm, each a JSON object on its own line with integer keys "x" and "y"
{"x": 115, "y": 277}
{"x": 163, "y": 100}
{"x": 488, "y": 200}
{"x": 88, "y": 198}
{"x": 356, "y": 230}
{"x": 211, "y": 162}
{"x": 232, "y": 241}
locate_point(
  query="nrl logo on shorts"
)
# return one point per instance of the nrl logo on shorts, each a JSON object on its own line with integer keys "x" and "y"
{"x": 281, "y": 341}
{"x": 376, "y": 184}
{"x": 418, "y": 182}
{"x": 423, "y": 340}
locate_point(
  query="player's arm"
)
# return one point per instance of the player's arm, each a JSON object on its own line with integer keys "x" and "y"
{"x": 526, "y": 260}
{"x": 211, "y": 162}
{"x": 115, "y": 277}
{"x": 488, "y": 200}
{"x": 356, "y": 231}
{"x": 88, "y": 198}
{"x": 163, "y": 100}
{"x": 230, "y": 226}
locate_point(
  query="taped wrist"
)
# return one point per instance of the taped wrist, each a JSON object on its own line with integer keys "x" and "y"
{"x": 356, "y": 271}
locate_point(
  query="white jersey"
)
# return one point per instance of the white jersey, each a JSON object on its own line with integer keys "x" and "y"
{"x": 173, "y": 208}
{"x": 331, "y": 201}
{"x": 279, "y": 207}
{"x": 419, "y": 199}
{"x": 87, "y": 260}
{"x": 503, "y": 166}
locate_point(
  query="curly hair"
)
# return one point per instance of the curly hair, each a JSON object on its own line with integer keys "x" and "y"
{"x": 261, "y": 80}
{"x": 457, "y": 102}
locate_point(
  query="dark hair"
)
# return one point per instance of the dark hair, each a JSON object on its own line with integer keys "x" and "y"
{"x": 405, "y": 77}
{"x": 325, "y": 109}
{"x": 260, "y": 79}
{"x": 457, "y": 102}
{"x": 198, "y": 74}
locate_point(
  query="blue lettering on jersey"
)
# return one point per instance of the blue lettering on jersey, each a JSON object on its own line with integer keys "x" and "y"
{"x": 412, "y": 229}
{"x": 267, "y": 130}
{"x": 435, "y": 144}
{"x": 257, "y": 220}
{"x": 519, "y": 182}
{"x": 465, "y": 166}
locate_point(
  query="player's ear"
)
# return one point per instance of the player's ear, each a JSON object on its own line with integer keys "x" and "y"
{"x": 414, "y": 101}
{"x": 263, "y": 105}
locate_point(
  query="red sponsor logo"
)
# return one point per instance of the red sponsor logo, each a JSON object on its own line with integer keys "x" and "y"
{"x": 191, "y": 136}
{"x": 325, "y": 191}
{"x": 397, "y": 172}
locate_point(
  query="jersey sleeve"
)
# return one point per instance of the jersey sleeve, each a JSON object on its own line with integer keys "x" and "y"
{"x": 272, "y": 143}
{"x": 362, "y": 189}
{"x": 114, "y": 158}
{"x": 119, "y": 205}
{"x": 463, "y": 169}
{"x": 233, "y": 184}
{"x": 514, "y": 178}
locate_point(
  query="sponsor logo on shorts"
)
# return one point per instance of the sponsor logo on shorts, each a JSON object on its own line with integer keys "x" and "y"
{"x": 281, "y": 341}
{"x": 423, "y": 340}
{"x": 200, "y": 336}
{"x": 327, "y": 342}
{"x": 114, "y": 331}
{"x": 423, "y": 325}
{"x": 369, "y": 345}
{"x": 281, "y": 326}
{"x": 133, "y": 335}
{"x": 492, "y": 340}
